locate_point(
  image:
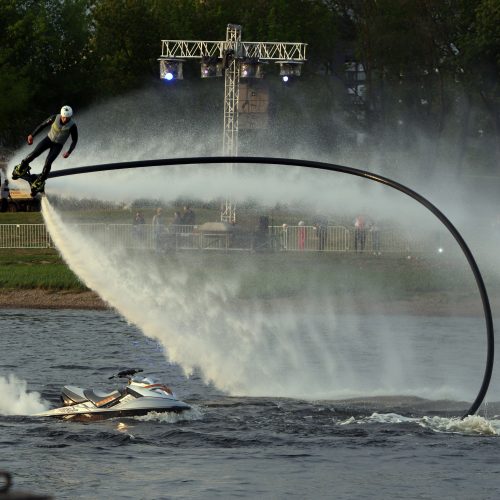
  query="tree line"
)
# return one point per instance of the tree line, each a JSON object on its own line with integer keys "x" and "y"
{"x": 432, "y": 64}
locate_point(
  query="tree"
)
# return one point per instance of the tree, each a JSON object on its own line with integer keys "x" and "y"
{"x": 42, "y": 59}
{"x": 479, "y": 44}
{"x": 124, "y": 44}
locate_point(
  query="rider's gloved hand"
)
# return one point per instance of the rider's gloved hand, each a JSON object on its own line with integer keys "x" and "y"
{"x": 65, "y": 155}
{"x": 30, "y": 139}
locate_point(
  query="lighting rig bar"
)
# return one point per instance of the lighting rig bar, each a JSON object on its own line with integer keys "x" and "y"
{"x": 270, "y": 51}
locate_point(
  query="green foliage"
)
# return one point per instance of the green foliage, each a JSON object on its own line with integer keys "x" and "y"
{"x": 124, "y": 43}
{"x": 43, "y": 60}
{"x": 15, "y": 95}
{"x": 422, "y": 59}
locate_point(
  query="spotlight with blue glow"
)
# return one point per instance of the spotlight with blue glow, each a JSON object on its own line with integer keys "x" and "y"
{"x": 171, "y": 69}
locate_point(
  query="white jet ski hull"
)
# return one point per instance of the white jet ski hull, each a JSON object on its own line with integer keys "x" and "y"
{"x": 132, "y": 408}
{"x": 139, "y": 397}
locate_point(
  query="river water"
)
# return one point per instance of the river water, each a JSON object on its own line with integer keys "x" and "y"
{"x": 239, "y": 446}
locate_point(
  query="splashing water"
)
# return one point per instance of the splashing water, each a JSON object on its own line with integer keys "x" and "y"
{"x": 470, "y": 425}
{"x": 16, "y": 400}
{"x": 195, "y": 413}
{"x": 245, "y": 353}
{"x": 242, "y": 350}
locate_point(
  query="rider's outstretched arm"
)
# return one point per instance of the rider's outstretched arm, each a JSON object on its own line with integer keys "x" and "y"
{"x": 74, "y": 138}
{"x": 48, "y": 121}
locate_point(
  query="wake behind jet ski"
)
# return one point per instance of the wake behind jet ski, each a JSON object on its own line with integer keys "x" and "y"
{"x": 141, "y": 395}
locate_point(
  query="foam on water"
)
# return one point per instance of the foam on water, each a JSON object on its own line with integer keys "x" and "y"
{"x": 473, "y": 424}
{"x": 195, "y": 413}
{"x": 470, "y": 425}
{"x": 16, "y": 400}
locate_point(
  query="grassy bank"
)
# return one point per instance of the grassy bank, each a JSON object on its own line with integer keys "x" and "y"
{"x": 36, "y": 268}
{"x": 280, "y": 275}
{"x": 266, "y": 275}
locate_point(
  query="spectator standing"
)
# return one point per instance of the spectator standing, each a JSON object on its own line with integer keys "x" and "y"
{"x": 359, "y": 233}
{"x": 158, "y": 228}
{"x": 321, "y": 228}
{"x": 138, "y": 219}
{"x": 188, "y": 217}
{"x": 176, "y": 222}
{"x": 301, "y": 233}
{"x": 374, "y": 230}
{"x": 5, "y": 196}
{"x": 284, "y": 237}
{"x": 261, "y": 241}
{"x": 138, "y": 225}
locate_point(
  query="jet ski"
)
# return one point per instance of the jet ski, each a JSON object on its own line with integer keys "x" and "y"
{"x": 140, "y": 395}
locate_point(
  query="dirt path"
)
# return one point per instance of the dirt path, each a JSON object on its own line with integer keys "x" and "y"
{"x": 431, "y": 304}
{"x": 49, "y": 299}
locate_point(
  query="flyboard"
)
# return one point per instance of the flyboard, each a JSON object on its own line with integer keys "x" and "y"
{"x": 24, "y": 172}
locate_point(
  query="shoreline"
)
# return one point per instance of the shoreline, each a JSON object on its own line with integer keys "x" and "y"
{"x": 50, "y": 299}
{"x": 430, "y": 304}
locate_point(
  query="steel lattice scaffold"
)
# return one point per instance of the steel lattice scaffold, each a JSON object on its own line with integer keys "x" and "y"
{"x": 235, "y": 59}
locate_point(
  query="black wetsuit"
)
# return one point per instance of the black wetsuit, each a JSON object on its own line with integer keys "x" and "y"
{"x": 54, "y": 147}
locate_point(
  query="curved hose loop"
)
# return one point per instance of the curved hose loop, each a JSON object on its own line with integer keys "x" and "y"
{"x": 332, "y": 168}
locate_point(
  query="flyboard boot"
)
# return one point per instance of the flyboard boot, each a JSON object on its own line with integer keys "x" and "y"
{"x": 37, "y": 185}
{"x": 21, "y": 171}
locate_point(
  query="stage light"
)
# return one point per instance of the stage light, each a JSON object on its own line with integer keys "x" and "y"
{"x": 252, "y": 68}
{"x": 171, "y": 69}
{"x": 285, "y": 78}
{"x": 289, "y": 68}
{"x": 211, "y": 67}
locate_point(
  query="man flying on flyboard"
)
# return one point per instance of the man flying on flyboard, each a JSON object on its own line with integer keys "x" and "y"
{"x": 62, "y": 125}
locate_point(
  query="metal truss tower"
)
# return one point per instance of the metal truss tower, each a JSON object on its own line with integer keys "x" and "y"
{"x": 231, "y": 91}
{"x": 232, "y": 52}
{"x": 231, "y": 99}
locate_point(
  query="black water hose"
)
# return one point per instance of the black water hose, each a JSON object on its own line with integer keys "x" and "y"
{"x": 332, "y": 168}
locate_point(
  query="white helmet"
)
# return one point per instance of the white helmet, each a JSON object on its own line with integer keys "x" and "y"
{"x": 66, "y": 111}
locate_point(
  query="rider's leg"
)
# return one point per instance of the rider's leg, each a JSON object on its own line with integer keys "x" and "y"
{"x": 55, "y": 149}
{"x": 42, "y": 146}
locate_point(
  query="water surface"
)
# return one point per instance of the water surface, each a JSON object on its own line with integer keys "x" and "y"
{"x": 395, "y": 446}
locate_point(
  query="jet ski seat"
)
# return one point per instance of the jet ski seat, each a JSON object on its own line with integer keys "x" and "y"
{"x": 101, "y": 398}
{"x": 71, "y": 395}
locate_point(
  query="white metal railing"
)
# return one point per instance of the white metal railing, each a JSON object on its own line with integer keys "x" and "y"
{"x": 181, "y": 237}
{"x": 24, "y": 236}
{"x": 310, "y": 238}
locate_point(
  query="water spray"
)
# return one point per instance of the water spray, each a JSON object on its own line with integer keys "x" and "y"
{"x": 351, "y": 171}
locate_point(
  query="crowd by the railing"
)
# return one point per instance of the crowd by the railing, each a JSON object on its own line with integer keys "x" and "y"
{"x": 176, "y": 237}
